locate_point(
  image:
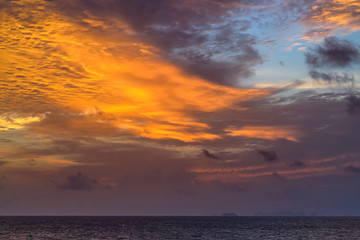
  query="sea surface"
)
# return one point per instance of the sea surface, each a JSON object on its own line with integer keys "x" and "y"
{"x": 179, "y": 228}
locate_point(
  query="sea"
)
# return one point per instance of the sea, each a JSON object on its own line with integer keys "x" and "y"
{"x": 61, "y": 227}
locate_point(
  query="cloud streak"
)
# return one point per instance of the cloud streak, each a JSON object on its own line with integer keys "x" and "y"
{"x": 332, "y": 78}
{"x": 266, "y": 132}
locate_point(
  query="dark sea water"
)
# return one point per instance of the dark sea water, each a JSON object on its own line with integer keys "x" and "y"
{"x": 179, "y": 228}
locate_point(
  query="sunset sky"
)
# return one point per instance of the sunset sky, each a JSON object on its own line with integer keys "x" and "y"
{"x": 179, "y": 107}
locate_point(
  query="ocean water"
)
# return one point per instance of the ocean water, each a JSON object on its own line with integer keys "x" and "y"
{"x": 179, "y": 228}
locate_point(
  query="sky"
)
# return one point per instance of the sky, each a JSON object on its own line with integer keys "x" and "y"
{"x": 180, "y": 107}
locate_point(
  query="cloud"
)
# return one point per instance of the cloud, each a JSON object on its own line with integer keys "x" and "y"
{"x": 333, "y": 52}
{"x": 298, "y": 164}
{"x": 209, "y": 155}
{"x": 334, "y": 77}
{"x": 352, "y": 168}
{"x": 327, "y": 16}
{"x": 288, "y": 87}
{"x": 289, "y": 48}
{"x": 269, "y": 156}
{"x": 77, "y": 124}
{"x": 353, "y": 104}
{"x": 316, "y": 33}
{"x": 116, "y": 101}
{"x": 78, "y": 182}
{"x": 11, "y": 121}
{"x": 278, "y": 176}
{"x": 266, "y": 132}
{"x": 109, "y": 68}
{"x": 204, "y": 38}
{"x": 82, "y": 182}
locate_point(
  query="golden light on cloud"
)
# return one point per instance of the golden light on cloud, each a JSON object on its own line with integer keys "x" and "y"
{"x": 58, "y": 65}
{"x": 328, "y": 16}
{"x": 56, "y": 161}
{"x": 14, "y": 121}
{"x": 266, "y": 132}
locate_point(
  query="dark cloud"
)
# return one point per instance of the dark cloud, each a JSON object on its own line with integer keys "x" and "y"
{"x": 226, "y": 72}
{"x": 333, "y": 52}
{"x": 278, "y": 176}
{"x": 298, "y": 164}
{"x": 269, "y": 156}
{"x": 330, "y": 78}
{"x": 78, "y": 182}
{"x": 282, "y": 63}
{"x": 202, "y": 37}
{"x": 353, "y": 104}
{"x": 209, "y": 155}
{"x": 352, "y": 168}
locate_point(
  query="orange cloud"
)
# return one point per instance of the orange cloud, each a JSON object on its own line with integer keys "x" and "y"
{"x": 289, "y": 48}
{"x": 57, "y": 161}
{"x": 54, "y": 63}
{"x": 266, "y": 132}
{"x": 327, "y": 16}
